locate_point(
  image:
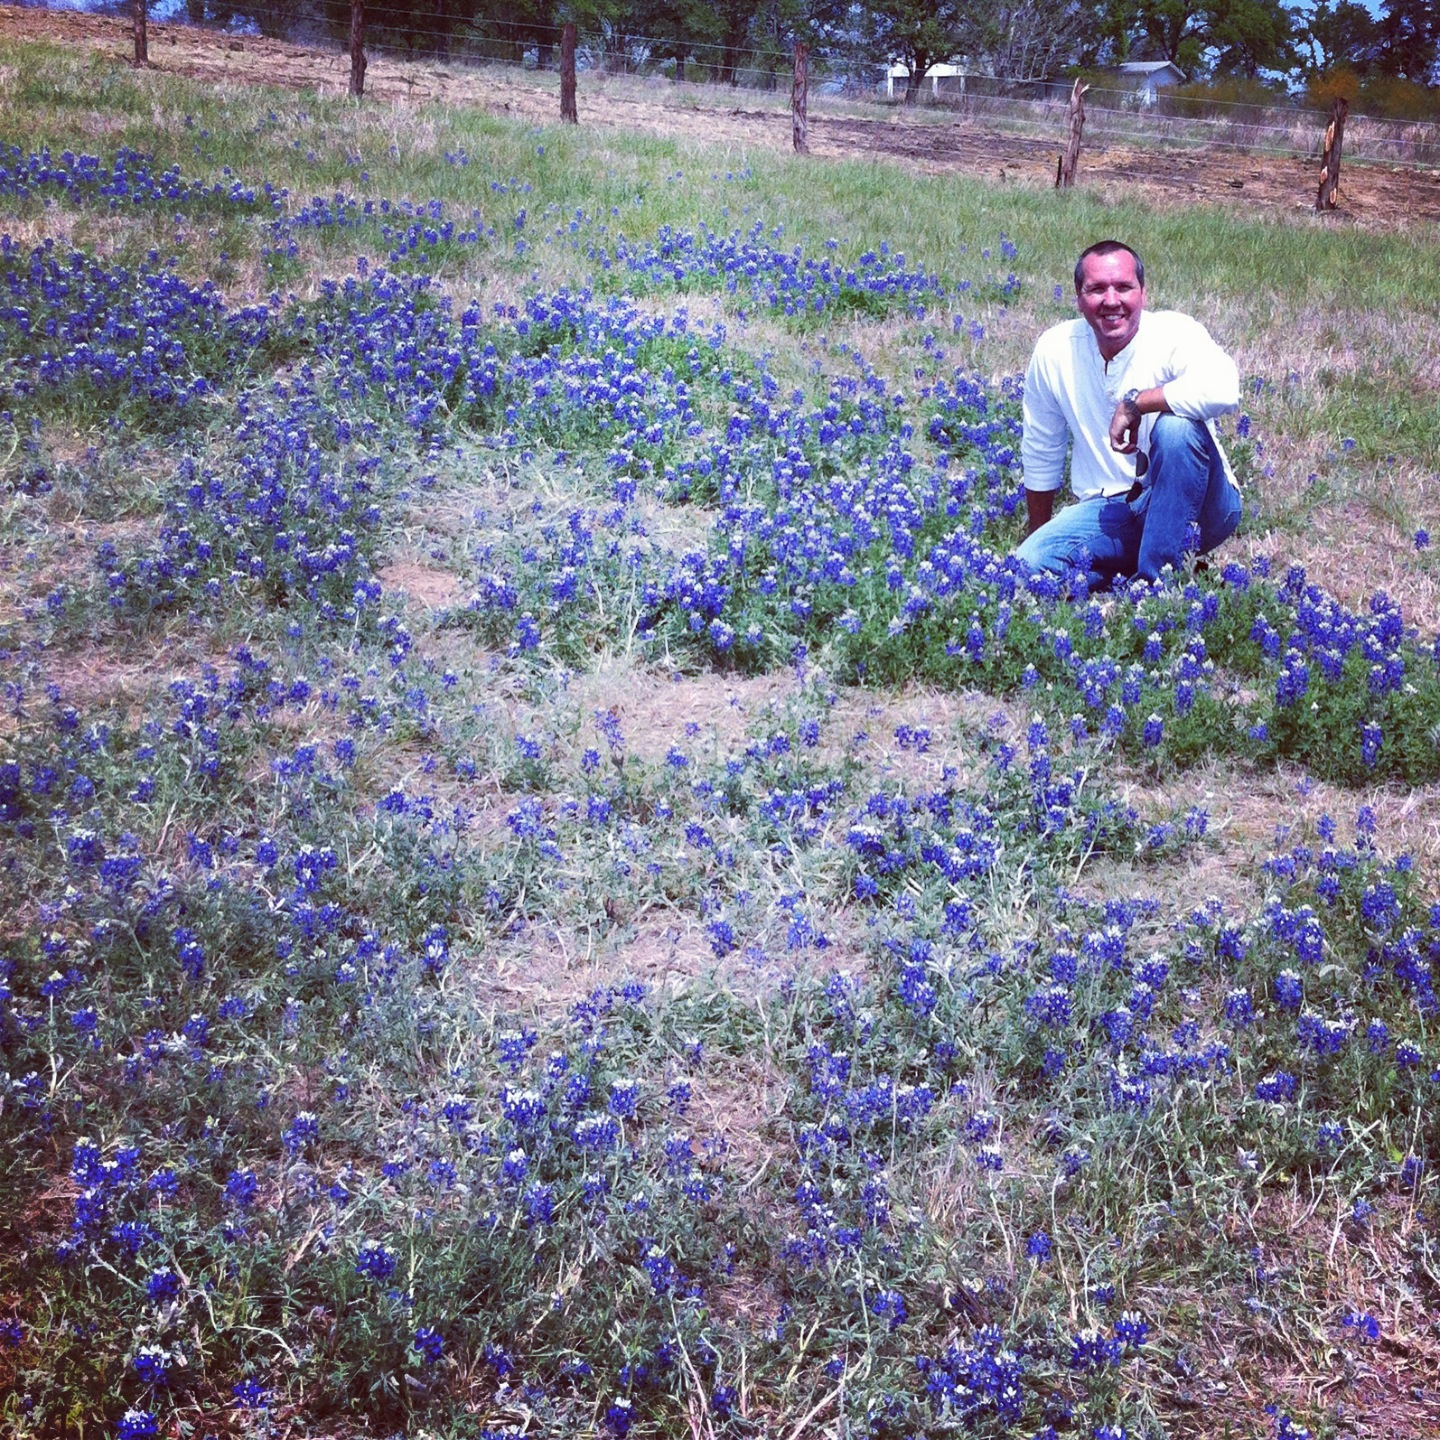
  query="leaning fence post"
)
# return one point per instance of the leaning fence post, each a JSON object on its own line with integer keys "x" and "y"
{"x": 357, "y": 47}
{"x": 800, "y": 100}
{"x": 567, "y": 75}
{"x": 1069, "y": 161}
{"x": 1330, "y": 162}
{"x": 142, "y": 44}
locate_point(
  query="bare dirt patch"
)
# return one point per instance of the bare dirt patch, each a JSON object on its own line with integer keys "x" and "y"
{"x": 1253, "y": 814}
{"x": 425, "y": 585}
{"x": 1257, "y": 813}
{"x": 1373, "y": 196}
{"x": 657, "y": 711}
{"x": 1388, "y": 1388}
{"x": 885, "y": 731}
{"x": 98, "y": 677}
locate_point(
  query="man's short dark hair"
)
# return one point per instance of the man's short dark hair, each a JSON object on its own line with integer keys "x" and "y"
{"x": 1109, "y": 247}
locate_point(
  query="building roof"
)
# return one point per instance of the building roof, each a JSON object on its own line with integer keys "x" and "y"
{"x": 1148, "y": 67}
{"x": 897, "y": 68}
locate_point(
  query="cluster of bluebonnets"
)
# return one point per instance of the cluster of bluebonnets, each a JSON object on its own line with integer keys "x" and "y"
{"x": 867, "y": 517}
{"x": 270, "y": 1150}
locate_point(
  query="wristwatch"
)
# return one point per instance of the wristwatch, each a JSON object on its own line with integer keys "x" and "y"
{"x": 1131, "y": 401}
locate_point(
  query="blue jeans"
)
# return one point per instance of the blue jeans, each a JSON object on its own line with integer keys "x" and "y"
{"x": 1188, "y": 506}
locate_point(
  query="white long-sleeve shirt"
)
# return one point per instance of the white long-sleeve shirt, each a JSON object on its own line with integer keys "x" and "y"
{"x": 1071, "y": 393}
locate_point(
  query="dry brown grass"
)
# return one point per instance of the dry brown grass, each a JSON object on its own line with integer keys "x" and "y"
{"x": 420, "y": 582}
{"x": 708, "y": 713}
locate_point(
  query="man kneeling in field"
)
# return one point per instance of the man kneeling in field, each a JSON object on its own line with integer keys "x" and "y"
{"x": 1137, "y": 392}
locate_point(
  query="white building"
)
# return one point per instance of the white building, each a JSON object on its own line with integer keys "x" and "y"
{"x": 1145, "y": 77}
{"x": 940, "y": 80}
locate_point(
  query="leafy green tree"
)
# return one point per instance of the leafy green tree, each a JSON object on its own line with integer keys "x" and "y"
{"x": 1249, "y": 36}
{"x": 1173, "y": 30}
{"x": 1409, "y": 36}
{"x": 733, "y": 20}
{"x": 1336, "y": 33}
{"x": 923, "y": 33}
{"x": 676, "y": 30}
{"x": 1230, "y": 37}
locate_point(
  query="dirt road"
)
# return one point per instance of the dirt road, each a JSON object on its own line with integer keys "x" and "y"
{"x": 1373, "y": 196}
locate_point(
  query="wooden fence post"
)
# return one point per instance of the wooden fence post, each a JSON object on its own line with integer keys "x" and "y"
{"x": 1330, "y": 163}
{"x": 567, "y": 75}
{"x": 800, "y": 100}
{"x": 1069, "y": 161}
{"x": 142, "y": 43}
{"x": 357, "y": 47}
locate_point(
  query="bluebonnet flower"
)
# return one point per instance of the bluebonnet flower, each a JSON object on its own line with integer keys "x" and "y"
{"x": 975, "y": 1380}
{"x": 136, "y": 1423}
{"x": 304, "y": 1128}
{"x": 375, "y": 1261}
{"x": 162, "y": 1283}
{"x": 1288, "y": 990}
{"x": 241, "y": 1188}
{"x": 889, "y": 1305}
{"x": 539, "y": 1205}
{"x": 435, "y": 948}
{"x": 1239, "y": 1008}
{"x": 624, "y": 1098}
{"x": 512, "y": 1046}
{"x": 429, "y": 1343}
{"x": 1092, "y": 1349}
{"x": 1276, "y": 1087}
{"x": 250, "y": 1394}
{"x": 152, "y": 1365}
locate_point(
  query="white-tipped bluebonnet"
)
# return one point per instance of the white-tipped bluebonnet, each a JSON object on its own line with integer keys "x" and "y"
{"x": 375, "y": 1261}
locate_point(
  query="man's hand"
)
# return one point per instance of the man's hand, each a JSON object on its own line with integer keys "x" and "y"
{"x": 1125, "y": 422}
{"x": 1125, "y": 427}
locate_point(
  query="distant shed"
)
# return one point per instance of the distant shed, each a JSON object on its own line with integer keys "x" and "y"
{"x": 940, "y": 80}
{"x": 1144, "y": 77}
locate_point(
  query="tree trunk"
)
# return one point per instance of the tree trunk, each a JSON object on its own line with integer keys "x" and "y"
{"x": 800, "y": 100}
{"x": 1330, "y": 163}
{"x": 567, "y": 75}
{"x": 357, "y": 48}
{"x": 912, "y": 87}
{"x": 142, "y": 43}
{"x": 1075, "y": 122}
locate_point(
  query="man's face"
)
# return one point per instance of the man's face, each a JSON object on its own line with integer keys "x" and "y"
{"x": 1111, "y": 298}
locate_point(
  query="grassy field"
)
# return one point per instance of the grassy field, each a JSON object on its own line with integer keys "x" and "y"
{"x": 554, "y": 880}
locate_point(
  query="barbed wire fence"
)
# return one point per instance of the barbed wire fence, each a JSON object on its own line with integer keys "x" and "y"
{"x": 764, "y": 73}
